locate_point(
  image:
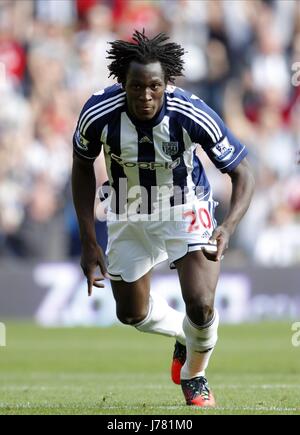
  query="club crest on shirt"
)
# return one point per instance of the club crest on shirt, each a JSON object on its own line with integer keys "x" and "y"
{"x": 170, "y": 148}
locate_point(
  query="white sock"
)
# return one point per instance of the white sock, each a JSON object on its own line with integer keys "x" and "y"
{"x": 200, "y": 343}
{"x": 162, "y": 319}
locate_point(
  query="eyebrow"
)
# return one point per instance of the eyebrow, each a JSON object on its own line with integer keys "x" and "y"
{"x": 156, "y": 80}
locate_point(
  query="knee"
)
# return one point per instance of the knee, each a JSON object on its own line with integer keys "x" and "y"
{"x": 200, "y": 312}
{"x": 130, "y": 318}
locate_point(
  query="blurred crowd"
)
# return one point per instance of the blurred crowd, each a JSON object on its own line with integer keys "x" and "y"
{"x": 242, "y": 59}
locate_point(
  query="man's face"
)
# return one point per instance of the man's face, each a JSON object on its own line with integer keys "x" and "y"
{"x": 145, "y": 86}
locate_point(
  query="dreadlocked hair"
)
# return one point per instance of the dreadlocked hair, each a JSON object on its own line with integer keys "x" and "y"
{"x": 145, "y": 50}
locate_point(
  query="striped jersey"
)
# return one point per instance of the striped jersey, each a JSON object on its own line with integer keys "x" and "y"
{"x": 156, "y": 158}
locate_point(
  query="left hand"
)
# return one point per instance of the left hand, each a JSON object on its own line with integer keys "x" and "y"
{"x": 220, "y": 236}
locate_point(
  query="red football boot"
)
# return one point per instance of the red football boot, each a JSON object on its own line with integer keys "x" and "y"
{"x": 197, "y": 393}
{"x": 179, "y": 358}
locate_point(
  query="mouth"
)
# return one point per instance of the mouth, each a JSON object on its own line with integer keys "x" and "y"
{"x": 145, "y": 109}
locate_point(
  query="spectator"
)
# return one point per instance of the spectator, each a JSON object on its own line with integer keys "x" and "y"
{"x": 239, "y": 60}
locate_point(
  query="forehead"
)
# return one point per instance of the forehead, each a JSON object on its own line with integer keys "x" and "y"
{"x": 145, "y": 72}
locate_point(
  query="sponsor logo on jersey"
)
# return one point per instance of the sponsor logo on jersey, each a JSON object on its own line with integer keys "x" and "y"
{"x": 81, "y": 141}
{"x": 170, "y": 148}
{"x": 146, "y": 165}
{"x": 223, "y": 150}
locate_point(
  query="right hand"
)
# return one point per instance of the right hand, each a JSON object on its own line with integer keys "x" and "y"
{"x": 91, "y": 258}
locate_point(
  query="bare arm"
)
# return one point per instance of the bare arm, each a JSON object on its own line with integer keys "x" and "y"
{"x": 84, "y": 191}
{"x": 242, "y": 190}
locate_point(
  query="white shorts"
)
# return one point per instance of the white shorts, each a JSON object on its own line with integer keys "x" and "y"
{"x": 135, "y": 247}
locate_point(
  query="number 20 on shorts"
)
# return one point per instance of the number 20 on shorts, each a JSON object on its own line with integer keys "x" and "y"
{"x": 198, "y": 219}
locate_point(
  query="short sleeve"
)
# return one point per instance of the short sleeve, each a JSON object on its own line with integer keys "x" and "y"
{"x": 86, "y": 138}
{"x": 85, "y": 146}
{"x": 216, "y": 139}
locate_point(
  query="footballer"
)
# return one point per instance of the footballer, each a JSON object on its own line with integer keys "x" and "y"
{"x": 161, "y": 203}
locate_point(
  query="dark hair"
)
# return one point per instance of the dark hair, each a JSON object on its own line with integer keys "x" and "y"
{"x": 145, "y": 50}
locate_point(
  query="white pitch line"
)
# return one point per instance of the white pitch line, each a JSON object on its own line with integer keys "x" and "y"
{"x": 132, "y": 407}
{"x": 255, "y": 387}
{"x": 146, "y": 387}
{"x": 41, "y": 387}
{"x": 218, "y": 408}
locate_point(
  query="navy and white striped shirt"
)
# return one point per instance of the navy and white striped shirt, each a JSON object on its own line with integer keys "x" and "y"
{"x": 159, "y": 152}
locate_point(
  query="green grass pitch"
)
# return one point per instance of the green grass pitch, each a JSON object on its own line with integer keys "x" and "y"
{"x": 119, "y": 371}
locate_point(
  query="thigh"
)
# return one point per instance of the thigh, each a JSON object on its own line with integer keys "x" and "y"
{"x": 132, "y": 299}
{"x": 198, "y": 279}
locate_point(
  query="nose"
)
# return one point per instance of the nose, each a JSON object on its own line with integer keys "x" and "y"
{"x": 145, "y": 95}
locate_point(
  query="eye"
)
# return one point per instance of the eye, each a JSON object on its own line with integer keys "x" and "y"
{"x": 156, "y": 86}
